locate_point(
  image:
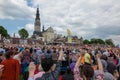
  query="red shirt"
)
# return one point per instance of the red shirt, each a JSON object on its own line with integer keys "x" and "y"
{"x": 11, "y": 69}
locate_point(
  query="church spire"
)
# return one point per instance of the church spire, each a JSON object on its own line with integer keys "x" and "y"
{"x": 43, "y": 29}
{"x": 37, "y": 24}
{"x": 37, "y": 14}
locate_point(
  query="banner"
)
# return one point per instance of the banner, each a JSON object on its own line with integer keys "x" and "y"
{"x": 69, "y": 36}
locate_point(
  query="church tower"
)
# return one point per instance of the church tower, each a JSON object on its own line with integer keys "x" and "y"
{"x": 43, "y": 28}
{"x": 37, "y": 24}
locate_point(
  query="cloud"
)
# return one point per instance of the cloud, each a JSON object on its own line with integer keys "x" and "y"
{"x": 29, "y": 27}
{"x": 93, "y": 18}
{"x": 116, "y": 38}
{"x": 15, "y": 9}
{"x": 16, "y": 35}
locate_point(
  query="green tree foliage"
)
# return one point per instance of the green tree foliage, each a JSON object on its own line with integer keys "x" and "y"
{"x": 4, "y": 32}
{"x": 23, "y": 33}
{"x": 93, "y": 41}
{"x": 109, "y": 42}
{"x": 100, "y": 41}
{"x": 86, "y": 41}
{"x": 97, "y": 41}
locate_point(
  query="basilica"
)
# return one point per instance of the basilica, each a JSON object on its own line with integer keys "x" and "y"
{"x": 42, "y": 34}
{"x": 48, "y": 36}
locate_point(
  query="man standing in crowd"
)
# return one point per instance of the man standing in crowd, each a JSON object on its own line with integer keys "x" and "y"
{"x": 47, "y": 65}
{"x": 88, "y": 59}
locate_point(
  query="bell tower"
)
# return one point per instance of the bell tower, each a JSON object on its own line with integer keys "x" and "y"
{"x": 37, "y": 24}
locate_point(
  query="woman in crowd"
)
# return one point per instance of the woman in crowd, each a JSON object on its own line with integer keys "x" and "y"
{"x": 88, "y": 72}
{"x": 11, "y": 67}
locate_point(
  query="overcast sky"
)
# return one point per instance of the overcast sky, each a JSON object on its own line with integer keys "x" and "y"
{"x": 86, "y": 18}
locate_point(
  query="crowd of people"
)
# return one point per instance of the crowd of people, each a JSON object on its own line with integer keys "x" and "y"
{"x": 59, "y": 62}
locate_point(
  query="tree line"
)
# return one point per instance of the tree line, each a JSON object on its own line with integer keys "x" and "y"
{"x": 98, "y": 41}
{"x": 23, "y": 33}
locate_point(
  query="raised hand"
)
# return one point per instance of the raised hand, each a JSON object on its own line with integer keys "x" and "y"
{"x": 31, "y": 69}
{"x": 1, "y": 69}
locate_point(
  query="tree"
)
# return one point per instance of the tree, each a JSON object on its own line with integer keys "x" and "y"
{"x": 93, "y": 41}
{"x": 23, "y": 33}
{"x": 96, "y": 41}
{"x": 3, "y": 32}
{"x": 100, "y": 41}
{"x": 86, "y": 41}
{"x": 109, "y": 42}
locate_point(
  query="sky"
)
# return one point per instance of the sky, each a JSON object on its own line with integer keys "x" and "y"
{"x": 86, "y": 18}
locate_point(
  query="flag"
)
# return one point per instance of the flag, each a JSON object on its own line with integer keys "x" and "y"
{"x": 69, "y": 36}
